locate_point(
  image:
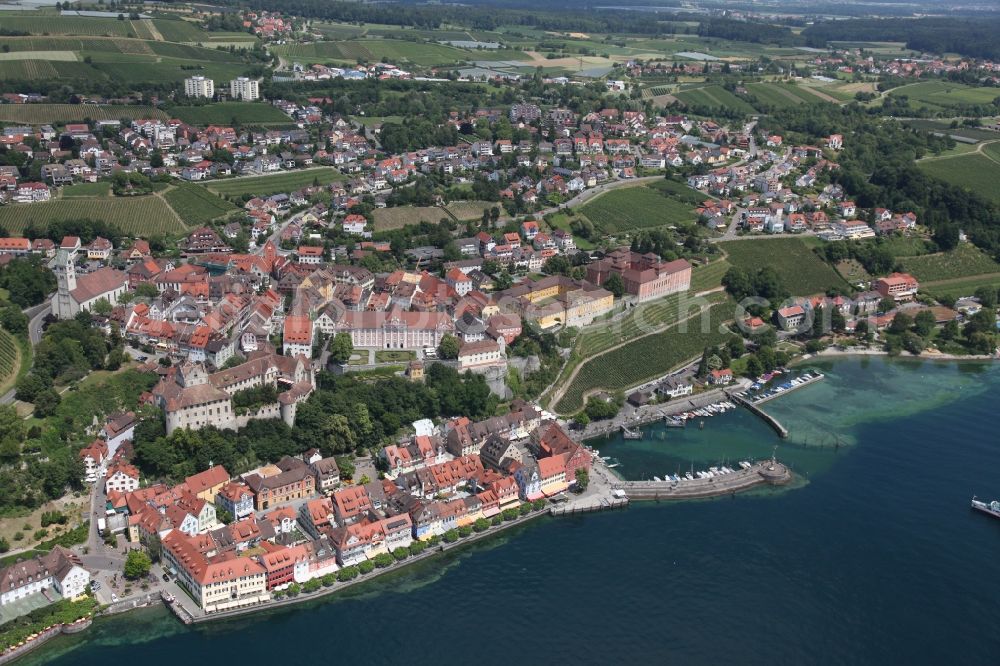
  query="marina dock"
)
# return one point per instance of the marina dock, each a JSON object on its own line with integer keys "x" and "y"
{"x": 768, "y": 472}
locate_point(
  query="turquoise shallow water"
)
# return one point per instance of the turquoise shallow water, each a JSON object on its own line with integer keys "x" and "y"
{"x": 873, "y": 558}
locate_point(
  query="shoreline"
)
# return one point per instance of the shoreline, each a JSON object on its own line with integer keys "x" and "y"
{"x": 854, "y": 351}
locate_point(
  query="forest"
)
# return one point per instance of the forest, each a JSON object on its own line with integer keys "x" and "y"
{"x": 976, "y": 38}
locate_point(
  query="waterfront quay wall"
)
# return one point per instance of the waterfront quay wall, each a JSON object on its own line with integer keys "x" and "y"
{"x": 198, "y": 617}
{"x": 650, "y": 413}
{"x": 762, "y": 473}
{"x": 43, "y": 637}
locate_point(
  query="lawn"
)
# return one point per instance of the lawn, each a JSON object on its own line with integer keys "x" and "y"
{"x": 136, "y": 216}
{"x": 288, "y": 181}
{"x": 229, "y": 113}
{"x": 195, "y": 205}
{"x": 648, "y": 357}
{"x": 964, "y": 261}
{"x": 801, "y": 271}
{"x": 629, "y": 208}
{"x": 98, "y": 189}
{"x": 974, "y": 173}
{"x": 394, "y": 356}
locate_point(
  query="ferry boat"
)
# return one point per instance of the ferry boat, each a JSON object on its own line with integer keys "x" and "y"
{"x": 993, "y": 508}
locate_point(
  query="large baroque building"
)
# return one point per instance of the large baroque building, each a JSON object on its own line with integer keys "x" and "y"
{"x": 194, "y": 398}
{"x": 645, "y": 276}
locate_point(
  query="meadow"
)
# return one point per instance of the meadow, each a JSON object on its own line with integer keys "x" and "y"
{"x": 801, "y": 271}
{"x": 225, "y": 113}
{"x": 647, "y": 357}
{"x": 101, "y": 188}
{"x": 195, "y": 205}
{"x": 629, "y": 208}
{"x": 274, "y": 183}
{"x": 136, "y": 216}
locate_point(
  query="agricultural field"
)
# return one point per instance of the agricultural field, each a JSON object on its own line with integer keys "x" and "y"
{"x": 964, "y": 261}
{"x": 780, "y": 96}
{"x": 630, "y": 208}
{"x": 225, "y": 113}
{"x": 641, "y": 320}
{"x": 974, "y": 172}
{"x": 180, "y": 31}
{"x": 272, "y": 184}
{"x": 714, "y": 96}
{"x": 312, "y": 51}
{"x": 940, "y": 95}
{"x": 944, "y": 127}
{"x": 69, "y": 25}
{"x": 470, "y": 210}
{"x": 68, "y": 113}
{"x": 801, "y": 271}
{"x": 195, "y": 205}
{"x": 136, "y": 216}
{"x": 708, "y": 277}
{"x": 101, "y": 188}
{"x": 386, "y": 219}
{"x": 960, "y": 287}
{"x": 647, "y": 357}
{"x": 10, "y": 360}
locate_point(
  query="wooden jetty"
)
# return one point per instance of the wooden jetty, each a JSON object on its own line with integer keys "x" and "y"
{"x": 769, "y": 472}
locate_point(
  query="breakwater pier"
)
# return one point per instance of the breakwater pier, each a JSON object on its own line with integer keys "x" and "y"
{"x": 768, "y": 472}
{"x": 770, "y": 420}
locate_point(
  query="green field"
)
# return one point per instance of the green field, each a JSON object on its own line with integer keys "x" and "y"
{"x": 99, "y": 189}
{"x": 801, "y": 271}
{"x": 961, "y": 287}
{"x": 69, "y": 25}
{"x": 647, "y": 357}
{"x": 714, "y": 96}
{"x": 629, "y": 208}
{"x": 940, "y": 95}
{"x": 708, "y": 277}
{"x": 944, "y": 126}
{"x": 68, "y": 113}
{"x": 780, "y": 95}
{"x": 195, "y": 205}
{"x": 273, "y": 184}
{"x": 964, "y": 261}
{"x": 425, "y": 54}
{"x": 136, "y": 216}
{"x": 181, "y": 31}
{"x": 225, "y": 113}
{"x": 974, "y": 172}
{"x": 642, "y": 319}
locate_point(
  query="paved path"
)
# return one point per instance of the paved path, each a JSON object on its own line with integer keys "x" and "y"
{"x": 35, "y": 314}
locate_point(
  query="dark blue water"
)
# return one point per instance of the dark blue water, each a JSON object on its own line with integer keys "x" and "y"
{"x": 874, "y": 558}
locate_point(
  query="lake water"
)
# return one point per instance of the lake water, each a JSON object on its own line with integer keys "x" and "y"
{"x": 872, "y": 557}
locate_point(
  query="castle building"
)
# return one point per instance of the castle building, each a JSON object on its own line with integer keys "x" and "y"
{"x": 194, "y": 398}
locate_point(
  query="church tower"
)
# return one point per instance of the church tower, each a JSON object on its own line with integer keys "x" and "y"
{"x": 64, "y": 266}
